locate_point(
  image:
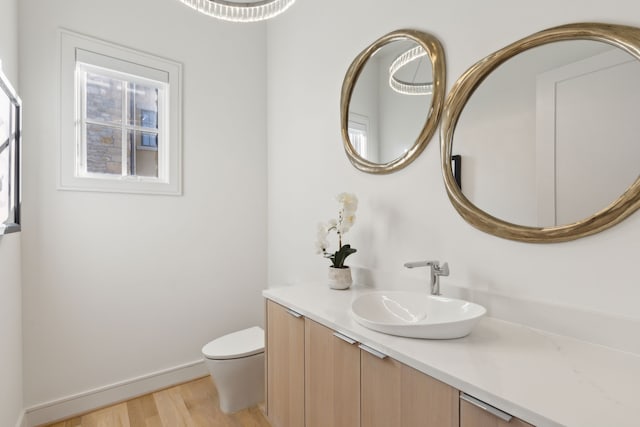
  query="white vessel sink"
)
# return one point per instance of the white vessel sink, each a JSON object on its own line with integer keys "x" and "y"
{"x": 416, "y": 314}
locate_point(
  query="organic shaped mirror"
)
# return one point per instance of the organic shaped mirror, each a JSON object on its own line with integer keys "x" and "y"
{"x": 548, "y": 132}
{"x": 392, "y": 97}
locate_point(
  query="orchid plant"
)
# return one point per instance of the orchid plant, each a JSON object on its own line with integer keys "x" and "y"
{"x": 346, "y": 218}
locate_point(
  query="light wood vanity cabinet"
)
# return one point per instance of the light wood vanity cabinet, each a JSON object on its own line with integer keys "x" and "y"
{"x": 319, "y": 378}
{"x": 285, "y": 367}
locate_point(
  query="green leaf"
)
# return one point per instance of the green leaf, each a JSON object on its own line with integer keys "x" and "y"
{"x": 341, "y": 255}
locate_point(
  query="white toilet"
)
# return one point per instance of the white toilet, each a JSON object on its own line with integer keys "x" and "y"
{"x": 236, "y": 364}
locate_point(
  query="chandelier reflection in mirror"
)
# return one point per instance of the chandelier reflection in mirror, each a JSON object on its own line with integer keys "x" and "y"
{"x": 409, "y": 88}
{"x": 240, "y": 11}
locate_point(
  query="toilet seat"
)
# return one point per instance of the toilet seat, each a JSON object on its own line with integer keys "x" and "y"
{"x": 236, "y": 345}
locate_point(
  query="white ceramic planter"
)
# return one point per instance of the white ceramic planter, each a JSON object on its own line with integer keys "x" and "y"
{"x": 340, "y": 278}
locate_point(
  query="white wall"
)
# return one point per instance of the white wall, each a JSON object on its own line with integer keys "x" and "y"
{"x": 10, "y": 278}
{"x": 118, "y": 286}
{"x": 406, "y": 215}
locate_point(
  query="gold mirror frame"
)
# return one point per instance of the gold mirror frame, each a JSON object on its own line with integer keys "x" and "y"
{"x": 623, "y": 37}
{"x": 435, "y": 52}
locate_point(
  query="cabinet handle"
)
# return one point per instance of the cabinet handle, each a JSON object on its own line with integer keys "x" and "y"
{"x": 486, "y": 407}
{"x": 369, "y": 350}
{"x": 344, "y": 338}
{"x": 294, "y": 313}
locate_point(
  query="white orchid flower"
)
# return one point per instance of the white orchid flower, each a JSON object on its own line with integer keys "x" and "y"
{"x": 346, "y": 224}
{"x": 348, "y": 201}
{"x": 346, "y": 219}
{"x": 322, "y": 243}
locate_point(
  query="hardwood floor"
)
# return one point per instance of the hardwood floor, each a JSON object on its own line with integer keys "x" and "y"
{"x": 193, "y": 404}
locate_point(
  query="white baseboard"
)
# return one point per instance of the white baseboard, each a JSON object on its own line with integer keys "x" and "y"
{"x": 70, "y": 406}
{"x": 22, "y": 420}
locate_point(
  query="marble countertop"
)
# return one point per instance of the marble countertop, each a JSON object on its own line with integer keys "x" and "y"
{"x": 542, "y": 378}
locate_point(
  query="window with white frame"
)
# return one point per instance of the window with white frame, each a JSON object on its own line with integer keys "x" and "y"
{"x": 120, "y": 118}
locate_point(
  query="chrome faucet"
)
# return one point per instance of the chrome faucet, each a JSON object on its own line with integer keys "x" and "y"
{"x": 437, "y": 270}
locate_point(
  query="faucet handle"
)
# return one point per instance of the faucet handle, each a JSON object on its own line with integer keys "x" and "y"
{"x": 417, "y": 264}
{"x": 442, "y": 270}
{"x": 435, "y": 265}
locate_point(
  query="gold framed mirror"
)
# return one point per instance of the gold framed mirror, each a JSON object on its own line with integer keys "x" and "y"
{"x": 391, "y": 100}
{"x": 565, "y": 201}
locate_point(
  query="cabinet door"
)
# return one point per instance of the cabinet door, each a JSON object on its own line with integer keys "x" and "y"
{"x": 427, "y": 402}
{"x": 474, "y": 416}
{"x": 285, "y": 367}
{"x": 394, "y": 394}
{"x": 332, "y": 378}
{"x": 380, "y": 393}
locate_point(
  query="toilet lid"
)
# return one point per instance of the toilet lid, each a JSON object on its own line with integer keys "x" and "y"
{"x": 236, "y": 345}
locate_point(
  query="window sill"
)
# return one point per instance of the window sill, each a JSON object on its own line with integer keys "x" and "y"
{"x": 134, "y": 185}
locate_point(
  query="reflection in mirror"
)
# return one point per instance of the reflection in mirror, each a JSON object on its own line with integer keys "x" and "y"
{"x": 547, "y": 130}
{"x": 550, "y": 137}
{"x": 391, "y": 100}
{"x": 385, "y": 118}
